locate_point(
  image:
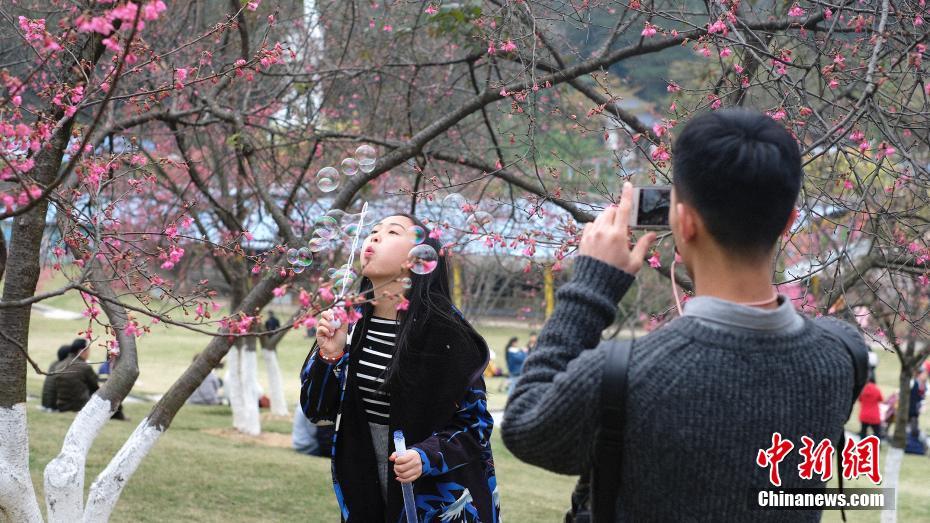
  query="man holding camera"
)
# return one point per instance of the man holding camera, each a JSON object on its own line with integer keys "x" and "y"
{"x": 708, "y": 390}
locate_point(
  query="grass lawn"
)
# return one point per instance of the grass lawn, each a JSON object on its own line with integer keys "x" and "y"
{"x": 201, "y": 472}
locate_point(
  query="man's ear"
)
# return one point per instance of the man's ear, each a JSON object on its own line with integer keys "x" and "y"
{"x": 792, "y": 217}
{"x": 687, "y": 221}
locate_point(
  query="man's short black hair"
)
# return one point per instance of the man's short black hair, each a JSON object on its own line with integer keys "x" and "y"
{"x": 741, "y": 171}
{"x": 78, "y": 345}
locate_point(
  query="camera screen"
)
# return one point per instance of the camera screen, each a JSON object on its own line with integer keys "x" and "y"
{"x": 654, "y": 203}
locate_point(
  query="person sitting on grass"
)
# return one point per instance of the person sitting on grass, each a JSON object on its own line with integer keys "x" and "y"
{"x": 76, "y": 381}
{"x": 707, "y": 391}
{"x": 49, "y": 390}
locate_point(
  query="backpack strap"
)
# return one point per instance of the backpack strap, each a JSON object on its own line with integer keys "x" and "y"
{"x": 859, "y": 353}
{"x": 608, "y": 443}
{"x": 857, "y": 349}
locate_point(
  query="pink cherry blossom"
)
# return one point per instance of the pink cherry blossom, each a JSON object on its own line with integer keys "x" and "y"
{"x": 654, "y": 261}
{"x": 279, "y": 291}
{"x": 718, "y": 27}
{"x": 649, "y": 30}
{"x": 431, "y": 9}
{"x": 796, "y": 11}
{"x": 508, "y": 46}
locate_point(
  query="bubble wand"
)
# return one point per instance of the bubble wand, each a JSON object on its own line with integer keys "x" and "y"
{"x": 345, "y": 281}
{"x": 410, "y": 507}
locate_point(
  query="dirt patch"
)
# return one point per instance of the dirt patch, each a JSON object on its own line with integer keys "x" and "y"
{"x": 266, "y": 439}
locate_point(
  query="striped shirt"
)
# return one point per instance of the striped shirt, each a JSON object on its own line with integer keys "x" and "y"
{"x": 377, "y": 351}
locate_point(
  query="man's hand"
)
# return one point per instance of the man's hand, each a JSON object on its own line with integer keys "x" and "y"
{"x": 408, "y": 467}
{"x": 607, "y": 237}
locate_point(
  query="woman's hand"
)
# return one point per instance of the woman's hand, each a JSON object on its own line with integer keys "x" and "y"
{"x": 408, "y": 467}
{"x": 331, "y": 340}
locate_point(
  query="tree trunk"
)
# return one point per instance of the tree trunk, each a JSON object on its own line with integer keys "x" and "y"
{"x": 233, "y": 383}
{"x": 251, "y": 421}
{"x": 106, "y": 489}
{"x": 275, "y": 383}
{"x": 64, "y": 475}
{"x": 17, "y": 495}
{"x": 899, "y": 436}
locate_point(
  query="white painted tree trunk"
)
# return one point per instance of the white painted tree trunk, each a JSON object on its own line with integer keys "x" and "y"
{"x": 64, "y": 475}
{"x": 18, "y": 501}
{"x": 106, "y": 489}
{"x": 251, "y": 422}
{"x": 275, "y": 384}
{"x": 233, "y": 384}
{"x": 893, "y": 459}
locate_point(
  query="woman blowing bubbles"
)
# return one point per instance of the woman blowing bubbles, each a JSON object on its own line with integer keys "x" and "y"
{"x": 411, "y": 363}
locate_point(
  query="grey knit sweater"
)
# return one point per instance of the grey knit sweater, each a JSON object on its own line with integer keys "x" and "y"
{"x": 702, "y": 401}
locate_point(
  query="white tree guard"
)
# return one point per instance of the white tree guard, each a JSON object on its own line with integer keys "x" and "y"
{"x": 18, "y": 501}
{"x": 106, "y": 489}
{"x": 275, "y": 384}
{"x": 64, "y": 475}
{"x": 251, "y": 422}
{"x": 893, "y": 459}
{"x": 233, "y": 384}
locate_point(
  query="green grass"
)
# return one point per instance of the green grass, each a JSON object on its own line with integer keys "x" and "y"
{"x": 196, "y": 475}
{"x": 192, "y": 475}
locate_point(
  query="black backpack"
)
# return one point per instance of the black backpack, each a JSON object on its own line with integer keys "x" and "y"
{"x": 595, "y": 496}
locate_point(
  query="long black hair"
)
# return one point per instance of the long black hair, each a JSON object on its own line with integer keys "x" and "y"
{"x": 430, "y": 299}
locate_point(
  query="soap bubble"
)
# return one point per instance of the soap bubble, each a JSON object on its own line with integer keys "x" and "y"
{"x": 347, "y": 282}
{"x": 454, "y": 201}
{"x": 406, "y": 282}
{"x": 349, "y": 166}
{"x": 298, "y": 269}
{"x": 327, "y": 179}
{"x": 342, "y": 272}
{"x": 304, "y": 257}
{"x": 480, "y": 219}
{"x": 366, "y": 156}
{"x": 316, "y": 244}
{"x": 328, "y": 221}
{"x": 291, "y": 256}
{"x": 423, "y": 259}
{"x": 350, "y": 229}
{"x": 324, "y": 233}
{"x": 331, "y": 273}
{"x": 419, "y": 234}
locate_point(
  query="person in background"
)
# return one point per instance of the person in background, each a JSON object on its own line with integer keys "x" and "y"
{"x": 77, "y": 380}
{"x": 272, "y": 322}
{"x": 531, "y": 343}
{"x": 309, "y": 438}
{"x": 869, "y": 413}
{"x": 515, "y": 357}
{"x": 873, "y": 363}
{"x": 918, "y": 392}
{"x": 208, "y": 391}
{"x": 48, "y": 387}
